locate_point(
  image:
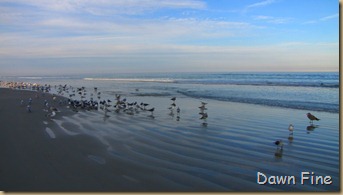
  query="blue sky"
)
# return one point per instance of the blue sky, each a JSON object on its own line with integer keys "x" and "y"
{"x": 103, "y": 36}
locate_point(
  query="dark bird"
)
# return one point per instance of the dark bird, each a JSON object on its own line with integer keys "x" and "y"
{"x": 173, "y": 98}
{"x": 279, "y": 143}
{"x": 202, "y": 107}
{"x": 203, "y": 116}
{"x": 203, "y": 103}
{"x": 312, "y": 117}
{"x": 151, "y": 110}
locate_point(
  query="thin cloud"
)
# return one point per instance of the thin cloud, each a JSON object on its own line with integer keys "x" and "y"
{"x": 329, "y": 17}
{"x": 258, "y": 4}
{"x": 273, "y": 20}
{"x": 325, "y": 18}
{"x": 108, "y": 6}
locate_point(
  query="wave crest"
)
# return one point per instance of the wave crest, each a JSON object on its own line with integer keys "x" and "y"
{"x": 131, "y": 80}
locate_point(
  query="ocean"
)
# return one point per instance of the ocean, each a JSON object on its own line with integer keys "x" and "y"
{"x": 307, "y": 91}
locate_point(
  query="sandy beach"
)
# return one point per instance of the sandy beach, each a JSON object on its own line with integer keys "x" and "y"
{"x": 87, "y": 152}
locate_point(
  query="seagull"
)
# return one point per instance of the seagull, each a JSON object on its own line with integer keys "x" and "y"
{"x": 173, "y": 98}
{"x": 312, "y": 117}
{"x": 291, "y": 128}
{"x": 151, "y": 110}
{"x": 203, "y": 116}
{"x": 203, "y": 107}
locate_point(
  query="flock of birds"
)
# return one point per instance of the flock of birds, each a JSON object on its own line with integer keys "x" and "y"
{"x": 279, "y": 143}
{"x": 121, "y": 104}
{"x": 78, "y": 100}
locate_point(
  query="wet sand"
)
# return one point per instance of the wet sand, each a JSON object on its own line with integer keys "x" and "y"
{"x": 87, "y": 152}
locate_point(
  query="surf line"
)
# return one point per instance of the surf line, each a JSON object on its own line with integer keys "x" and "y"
{"x": 305, "y": 178}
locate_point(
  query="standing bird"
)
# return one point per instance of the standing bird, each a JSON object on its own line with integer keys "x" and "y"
{"x": 312, "y": 117}
{"x": 290, "y": 128}
{"x": 151, "y": 110}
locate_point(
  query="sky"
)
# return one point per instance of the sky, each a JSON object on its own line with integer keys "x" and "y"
{"x": 113, "y": 36}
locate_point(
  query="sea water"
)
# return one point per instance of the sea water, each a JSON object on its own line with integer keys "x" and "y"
{"x": 308, "y": 91}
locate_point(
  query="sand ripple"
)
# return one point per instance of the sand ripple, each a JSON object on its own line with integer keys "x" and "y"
{"x": 224, "y": 156}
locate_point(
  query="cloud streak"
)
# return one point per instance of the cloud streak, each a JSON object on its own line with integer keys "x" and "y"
{"x": 322, "y": 19}
{"x": 273, "y": 20}
{"x": 257, "y": 5}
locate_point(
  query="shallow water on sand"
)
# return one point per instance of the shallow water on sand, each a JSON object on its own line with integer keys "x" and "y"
{"x": 238, "y": 141}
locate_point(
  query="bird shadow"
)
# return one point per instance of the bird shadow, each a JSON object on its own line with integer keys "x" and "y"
{"x": 311, "y": 128}
{"x": 278, "y": 152}
{"x": 290, "y": 138}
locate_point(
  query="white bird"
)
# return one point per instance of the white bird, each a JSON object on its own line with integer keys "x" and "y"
{"x": 291, "y": 128}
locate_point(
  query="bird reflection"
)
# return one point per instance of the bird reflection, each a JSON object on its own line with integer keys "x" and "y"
{"x": 204, "y": 124}
{"x": 311, "y": 128}
{"x": 279, "y": 148}
{"x": 278, "y": 152}
{"x": 290, "y": 138}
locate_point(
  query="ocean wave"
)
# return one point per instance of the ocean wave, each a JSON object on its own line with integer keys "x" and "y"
{"x": 259, "y": 83}
{"x": 34, "y": 78}
{"x": 162, "y": 80}
{"x": 315, "y": 106}
{"x": 41, "y": 78}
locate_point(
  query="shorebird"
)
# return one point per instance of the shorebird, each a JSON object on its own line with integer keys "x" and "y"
{"x": 203, "y": 115}
{"x": 151, "y": 110}
{"x": 52, "y": 114}
{"x": 312, "y": 117}
{"x": 202, "y": 107}
{"x": 173, "y": 98}
{"x": 203, "y": 103}
{"x": 144, "y": 105}
{"x": 291, "y": 128}
{"x": 279, "y": 144}
{"x": 28, "y": 108}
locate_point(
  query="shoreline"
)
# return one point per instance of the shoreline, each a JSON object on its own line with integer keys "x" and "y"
{"x": 90, "y": 152}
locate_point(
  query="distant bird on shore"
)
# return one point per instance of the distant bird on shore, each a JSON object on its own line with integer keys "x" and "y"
{"x": 203, "y": 116}
{"x": 291, "y": 128}
{"x": 312, "y": 117}
{"x": 28, "y": 108}
{"x": 202, "y": 107}
{"x": 144, "y": 105}
{"x": 279, "y": 144}
{"x": 173, "y": 98}
{"x": 151, "y": 110}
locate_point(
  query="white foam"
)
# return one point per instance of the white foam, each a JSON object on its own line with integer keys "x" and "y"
{"x": 59, "y": 123}
{"x": 131, "y": 80}
{"x": 50, "y": 133}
